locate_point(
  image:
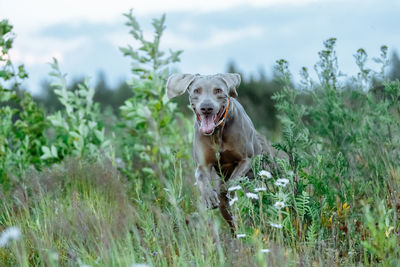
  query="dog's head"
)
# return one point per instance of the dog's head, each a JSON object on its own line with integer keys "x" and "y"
{"x": 208, "y": 95}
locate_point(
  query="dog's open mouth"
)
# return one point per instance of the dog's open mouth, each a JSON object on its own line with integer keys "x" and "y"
{"x": 208, "y": 122}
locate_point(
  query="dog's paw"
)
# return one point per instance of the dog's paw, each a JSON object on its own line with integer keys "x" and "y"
{"x": 211, "y": 199}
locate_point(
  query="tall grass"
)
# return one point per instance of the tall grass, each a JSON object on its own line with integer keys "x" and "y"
{"x": 83, "y": 213}
{"x": 82, "y": 196}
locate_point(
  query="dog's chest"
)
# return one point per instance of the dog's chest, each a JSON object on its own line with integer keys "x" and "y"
{"x": 227, "y": 151}
{"x": 226, "y": 162}
{"x": 228, "y": 156}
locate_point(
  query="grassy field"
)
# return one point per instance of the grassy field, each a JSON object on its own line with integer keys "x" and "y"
{"x": 80, "y": 188}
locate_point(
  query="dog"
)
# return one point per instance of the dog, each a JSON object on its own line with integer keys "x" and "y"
{"x": 225, "y": 139}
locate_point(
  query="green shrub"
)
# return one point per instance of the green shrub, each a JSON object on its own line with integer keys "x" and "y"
{"x": 21, "y": 121}
{"x": 343, "y": 151}
{"x": 78, "y": 130}
{"x": 156, "y": 135}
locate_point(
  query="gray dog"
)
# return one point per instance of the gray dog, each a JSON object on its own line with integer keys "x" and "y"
{"x": 224, "y": 136}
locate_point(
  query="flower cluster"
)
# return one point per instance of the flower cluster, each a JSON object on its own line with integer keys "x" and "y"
{"x": 276, "y": 225}
{"x": 259, "y": 189}
{"x": 283, "y": 182}
{"x": 9, "y": 234}
{"x": 279, "y": 205}
{"x": 277, "y": 193}
{"x": 252, "y": 195}
{"x": 232, "y": 201}
{"x": 234, "y": 188}
{"x": 240, "y": 235}
{"x": 265, "y": 174}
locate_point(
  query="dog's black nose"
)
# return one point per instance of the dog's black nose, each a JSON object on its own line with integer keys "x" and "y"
{"x": 206, "y": 108}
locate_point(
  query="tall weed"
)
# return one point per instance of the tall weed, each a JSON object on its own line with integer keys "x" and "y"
{"x": 21, "y": 121}
{"x": 77, "y": 129}
{"x": 156, "y": 135}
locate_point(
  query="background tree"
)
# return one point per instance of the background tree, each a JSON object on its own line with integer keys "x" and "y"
{"x": 394, "y": 69}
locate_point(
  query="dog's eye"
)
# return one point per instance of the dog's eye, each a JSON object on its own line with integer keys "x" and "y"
{"x": 196, "y": 91}
{"x": 217, "y": 90}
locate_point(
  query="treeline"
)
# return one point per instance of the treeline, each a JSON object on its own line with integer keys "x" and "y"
{"x": 255, "y": 94}
{"x": 106, "y": 95}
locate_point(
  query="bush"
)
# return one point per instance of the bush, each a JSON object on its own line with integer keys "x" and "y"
{"x": 155, "y": 134}
{"x": 21, "y": 121}
{"x": 342, "y": 150}
{"x": 78, "y": 130}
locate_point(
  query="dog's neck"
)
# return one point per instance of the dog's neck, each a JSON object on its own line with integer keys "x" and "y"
{"x": 222, "y": 121}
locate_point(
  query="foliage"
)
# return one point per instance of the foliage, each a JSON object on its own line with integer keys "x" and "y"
{"x": 107, "y": 96}
{"x": 78, "y": 129}
{"x": 342, "y": 153}
{"x": 21, "y": 120}
{"x": 158, "y": 135}
{"x": 333, "y": 201}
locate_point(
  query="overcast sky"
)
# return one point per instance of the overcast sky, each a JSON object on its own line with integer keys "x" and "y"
{"x": 85, "y": 35}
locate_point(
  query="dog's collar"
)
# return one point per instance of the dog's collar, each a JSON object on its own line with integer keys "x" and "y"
{"x": 223, "y": 118}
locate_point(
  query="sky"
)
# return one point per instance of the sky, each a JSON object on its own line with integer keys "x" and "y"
{"x": 85, "y": 36}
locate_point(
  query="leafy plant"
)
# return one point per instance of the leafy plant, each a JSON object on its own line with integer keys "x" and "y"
{"x": 21, "y": 121}
{"x": 381, "y": 242}
{"x": 156, "y": 134}
{"x": 77, "y": 128}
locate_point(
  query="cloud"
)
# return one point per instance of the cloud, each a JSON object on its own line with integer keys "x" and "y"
{"x": 40, "y": 13}
{"x": 223, "y": 37}
{"x": 210, "y": 38}
{"x": 31, "y": 50}
{"x": 216, "y": 38}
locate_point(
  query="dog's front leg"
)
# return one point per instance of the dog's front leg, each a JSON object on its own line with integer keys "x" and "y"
{"x": 241, "y": 169}
{"x": 208, "y": 193}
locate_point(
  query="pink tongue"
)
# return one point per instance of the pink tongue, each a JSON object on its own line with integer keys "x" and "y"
{"x": 207, "y": 124}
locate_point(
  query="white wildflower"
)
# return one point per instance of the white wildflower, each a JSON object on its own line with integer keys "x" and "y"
{"x": 281, "y": 182}
{"x": 279, "y": 205}
{"x": 265, "y": 250}
{"x": 139, "y": 265}
{"x": 276, "y": 225}
{"x": 259, "y": 189}
{"x": 265, "y": 174}
{"x": 252, "y": 195}
{"x": 240, "y": 235}
{"x": 11, "y": 233}
{"x": 232, "y": 201}
{"x": 234, "y": 188}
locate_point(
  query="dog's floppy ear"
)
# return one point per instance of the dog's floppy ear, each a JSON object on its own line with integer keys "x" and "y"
{"x": 177, "y": 84}
{"x": 232, "y": 80}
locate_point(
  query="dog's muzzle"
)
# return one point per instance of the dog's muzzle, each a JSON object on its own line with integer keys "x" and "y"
{"x": 209, "y": 122}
